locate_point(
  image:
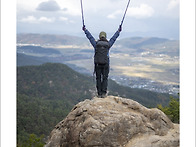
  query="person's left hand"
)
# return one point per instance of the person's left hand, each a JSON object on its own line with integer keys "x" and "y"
{"x": 120, "y": 28}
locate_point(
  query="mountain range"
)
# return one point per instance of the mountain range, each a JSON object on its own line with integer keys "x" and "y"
{"x": 137, "y": 62}
{"x": 49, "y": 39}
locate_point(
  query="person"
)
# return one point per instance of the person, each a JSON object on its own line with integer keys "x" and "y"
{"x": 101, "y": 58}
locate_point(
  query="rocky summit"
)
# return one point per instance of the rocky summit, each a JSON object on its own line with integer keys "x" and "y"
{"x": 114, "y": 122}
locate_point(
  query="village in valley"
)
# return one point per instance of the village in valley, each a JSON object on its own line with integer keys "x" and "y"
{"x": 147, "y": 63}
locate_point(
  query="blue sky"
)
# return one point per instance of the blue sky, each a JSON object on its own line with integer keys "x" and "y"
{"x": 152, "y": 18}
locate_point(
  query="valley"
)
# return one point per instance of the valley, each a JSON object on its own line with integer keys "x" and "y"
{"x": 147, "y": 63}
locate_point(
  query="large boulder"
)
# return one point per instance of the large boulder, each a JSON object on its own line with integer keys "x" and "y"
{"x": 114, "y": 122}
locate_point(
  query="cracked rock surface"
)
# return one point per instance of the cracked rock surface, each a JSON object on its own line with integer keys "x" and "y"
{"x": 114, "y": 122}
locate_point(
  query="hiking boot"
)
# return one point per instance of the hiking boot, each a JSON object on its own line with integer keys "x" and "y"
{"x": 99, "y": 96}
{"x": 104, "y": 95}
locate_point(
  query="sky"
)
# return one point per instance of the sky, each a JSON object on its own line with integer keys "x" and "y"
{"x": 145, "y": 18}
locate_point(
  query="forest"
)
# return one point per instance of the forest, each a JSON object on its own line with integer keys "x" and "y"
{"x": 46, "y": 94}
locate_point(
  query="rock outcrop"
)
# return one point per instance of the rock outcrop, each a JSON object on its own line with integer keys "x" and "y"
{"x": 114, "y": 122}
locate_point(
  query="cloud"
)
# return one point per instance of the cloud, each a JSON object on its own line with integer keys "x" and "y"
{"x": 72, "y": 11}
{"x": 64, "y": 9}
{"x": 30, "y": 19}
{"x": 114, "y": 15}
{"x": 173, "y": 4}
{"x": 63, "y": 18}
{"x": 50, "y": 5}
{"x": 65, "y": 15}
{"x": 45, "y": 19}
{"x": 142, "y": 11}
{"x": 33, "y": 19}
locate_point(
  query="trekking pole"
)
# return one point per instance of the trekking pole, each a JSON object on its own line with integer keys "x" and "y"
{"x": 125, "y": 13}
{"x": 82, "y": 13}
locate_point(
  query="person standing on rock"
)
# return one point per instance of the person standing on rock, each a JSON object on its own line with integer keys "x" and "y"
{"x": 101, "y": 58}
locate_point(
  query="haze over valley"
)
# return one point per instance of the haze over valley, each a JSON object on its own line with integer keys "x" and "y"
{"x": 148, "y": 63}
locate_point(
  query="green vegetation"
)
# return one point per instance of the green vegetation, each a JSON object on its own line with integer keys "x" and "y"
{"x": 47, "y": 93}
{"x": 38, "y": 116}
{"x": 173, "y": 110}
{"x": 53, "y": 81}
{"x": 32, "y": 141}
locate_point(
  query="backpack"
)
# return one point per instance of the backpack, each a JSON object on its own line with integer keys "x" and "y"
{"x": 102, "y": 52}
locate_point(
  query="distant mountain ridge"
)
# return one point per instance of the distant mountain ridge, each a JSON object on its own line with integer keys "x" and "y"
{"x": 37, "y": 50}
{"x": 159, "y": 45}
{"x": 49, "y": 39}
{"x": 136, "y": 42}
{"x": 74, "y": 40}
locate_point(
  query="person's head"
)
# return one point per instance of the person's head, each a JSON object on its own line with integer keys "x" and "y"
{"x": 102, "y": 35}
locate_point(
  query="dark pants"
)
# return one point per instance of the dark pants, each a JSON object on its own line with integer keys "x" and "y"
{"x": 102, "y": 71}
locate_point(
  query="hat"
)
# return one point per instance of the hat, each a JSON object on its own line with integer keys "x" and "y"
{"x": 102, "y": 35}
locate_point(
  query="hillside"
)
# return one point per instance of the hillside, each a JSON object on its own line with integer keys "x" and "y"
{"x": 46, "y": 94}
{"x": 58, "y": 81}
{"x": 53, "y": 81}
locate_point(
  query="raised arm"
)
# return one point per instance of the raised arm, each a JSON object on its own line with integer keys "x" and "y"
{"x": 115, "y": 36}
{"x": 89, "y": 36}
